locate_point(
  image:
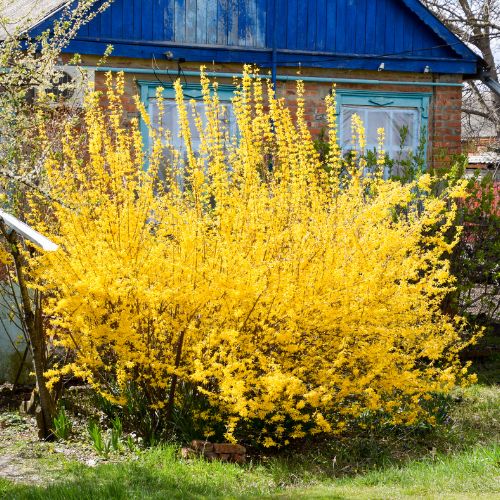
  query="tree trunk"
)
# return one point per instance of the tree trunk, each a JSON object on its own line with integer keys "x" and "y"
{"x": 34, "y": 325}
{"x": 173, "y": 383}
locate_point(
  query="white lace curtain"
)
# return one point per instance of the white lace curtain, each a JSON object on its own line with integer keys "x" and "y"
{"x": 401, "y": 126}
{"x": 170, "y": 120}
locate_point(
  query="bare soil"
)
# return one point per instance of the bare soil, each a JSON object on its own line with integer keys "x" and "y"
{"x": 26, "y": 459}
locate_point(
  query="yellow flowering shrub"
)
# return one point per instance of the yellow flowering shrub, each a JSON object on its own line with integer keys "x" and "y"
{"x": 293, "y": 297}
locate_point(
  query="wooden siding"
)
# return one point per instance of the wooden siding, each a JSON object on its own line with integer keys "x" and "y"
{"x": 344, "y": 34}
{"x": 239, "y": 23}
{"x": 363, "y": 27}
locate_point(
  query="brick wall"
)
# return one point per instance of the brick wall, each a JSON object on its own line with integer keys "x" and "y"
{"x": 445, "y": 125}
{"x": 481, "y": 144}
{"x": 444, "y": 113}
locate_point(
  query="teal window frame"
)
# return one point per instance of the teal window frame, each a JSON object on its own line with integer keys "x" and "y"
{"x": 382, "y": 99}
{"x": 148, "y": 90}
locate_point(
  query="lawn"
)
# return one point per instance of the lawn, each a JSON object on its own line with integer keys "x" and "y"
{"x": 458, "y": 460}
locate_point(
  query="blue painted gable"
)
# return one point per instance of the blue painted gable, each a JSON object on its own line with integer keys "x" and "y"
{"x": 356, "y": 34}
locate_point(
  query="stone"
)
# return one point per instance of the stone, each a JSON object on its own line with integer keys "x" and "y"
{"x": 188, "y": 453}
{"x": 6, "y": 388}
{"x": 202, "y": 446}
{"x": 230, "y": 448}
{"x": 28, "y": 407}
{"x": 238, "y": 459}
{"x": 210, "y": 456}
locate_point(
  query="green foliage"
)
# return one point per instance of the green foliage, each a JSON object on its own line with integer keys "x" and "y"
{"x": 475, "y": 261}
{"x": 406, "y": 166}
{"x": 409, "y": 167}
{"x": 322, "y": 145}
{"x": 101, "y": 445}
{"x": 159, "y": 474}
{"x": 135, "y": 416}
{"x": 62, "y": 425}
{"x": 456, "y": 460}
{"x": 130, "y": 443}
{"x": 116, "y": 434}
{"x": 111, "y": 440}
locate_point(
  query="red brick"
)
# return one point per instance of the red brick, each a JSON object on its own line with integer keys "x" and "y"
{"x": 202, "y": 446}
{"x": 238, "y": 459}
{"x": 187, "y": 453}
{"x": 229, "y": 448}
{"x": 444, "y": 116}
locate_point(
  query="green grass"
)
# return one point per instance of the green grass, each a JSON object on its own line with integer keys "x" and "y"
{"x": 160, "y": 474}
{"x": 459, "y": 460}
{"x": 470, "y": 474}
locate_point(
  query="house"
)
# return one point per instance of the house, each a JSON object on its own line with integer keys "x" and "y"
{"x": 392, "y": 61}
{"x": 480, "y": 140}
{"x": 482, "y": 164}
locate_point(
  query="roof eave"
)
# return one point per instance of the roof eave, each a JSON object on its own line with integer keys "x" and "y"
{"x": 440, "y": 29}
{"x": 41, "y": 21}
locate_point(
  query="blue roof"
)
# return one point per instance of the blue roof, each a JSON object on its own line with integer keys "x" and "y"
{"x": 351, "y": 34}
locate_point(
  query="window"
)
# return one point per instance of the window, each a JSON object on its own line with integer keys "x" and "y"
{"x": 402, "y": 115}
{"x": 170, "y": 119}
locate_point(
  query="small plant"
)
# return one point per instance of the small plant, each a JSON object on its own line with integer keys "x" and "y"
{"x": 111, "y": 440}
{"x": 116, "y": 434}
{"x": 62, "y": 425}
{"x": 101, "y": 446}
{"x": 130, "y": 443}
{"x": 407, "y": 166}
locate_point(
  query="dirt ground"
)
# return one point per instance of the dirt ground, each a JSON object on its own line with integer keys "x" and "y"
{"x": 26, "y": 459}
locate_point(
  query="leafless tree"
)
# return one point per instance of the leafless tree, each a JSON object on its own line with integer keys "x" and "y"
{"x": 477, "y": 22}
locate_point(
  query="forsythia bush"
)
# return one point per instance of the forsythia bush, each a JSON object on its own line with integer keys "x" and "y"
{"x": 293, "y": 297}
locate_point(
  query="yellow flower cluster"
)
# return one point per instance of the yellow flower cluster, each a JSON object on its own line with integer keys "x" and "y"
{"x": 286, "y": 295}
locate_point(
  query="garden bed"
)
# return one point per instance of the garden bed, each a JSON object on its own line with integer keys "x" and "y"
{"x": 457, "y": 460}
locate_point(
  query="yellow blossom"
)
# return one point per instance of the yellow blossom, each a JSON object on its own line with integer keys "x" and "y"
{"x": 295, "y": 295}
